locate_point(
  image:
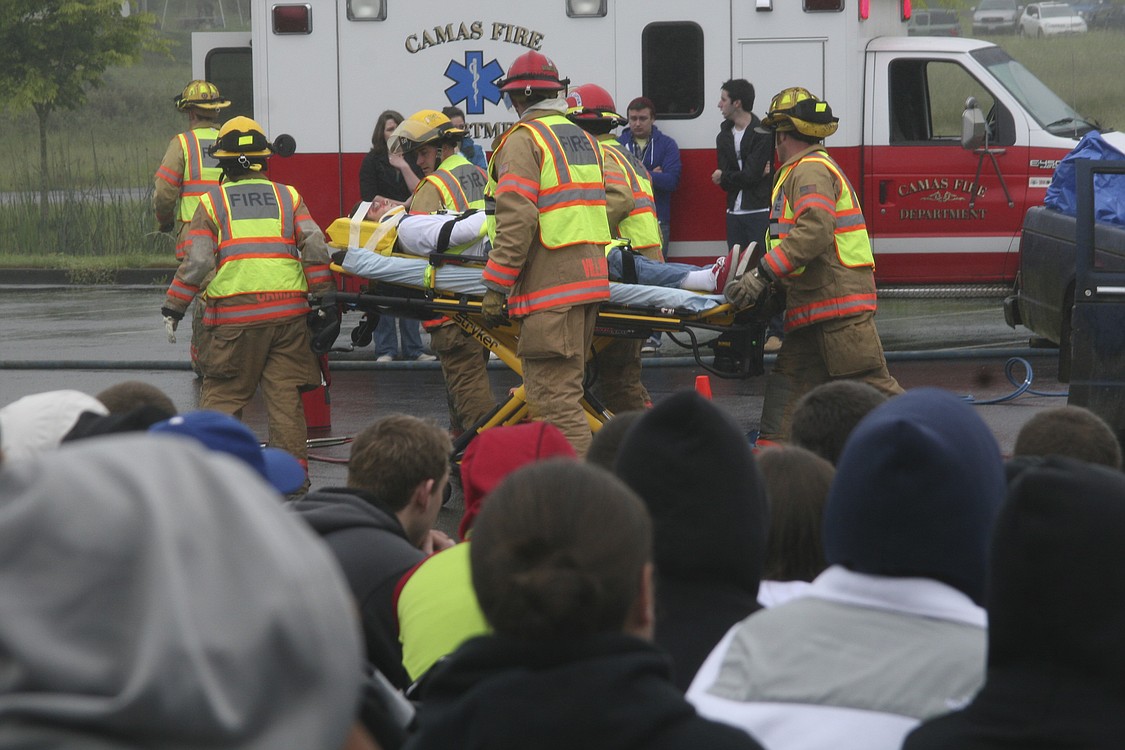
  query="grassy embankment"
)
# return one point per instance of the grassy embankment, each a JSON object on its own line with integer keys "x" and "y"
{"x": 117, "y": 139}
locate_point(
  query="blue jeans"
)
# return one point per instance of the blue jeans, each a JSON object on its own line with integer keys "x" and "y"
{"x": 650, "y": 272}
{"x": 386, "y": 337}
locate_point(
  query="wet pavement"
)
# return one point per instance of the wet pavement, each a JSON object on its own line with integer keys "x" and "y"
{"x": 89, "y": 338}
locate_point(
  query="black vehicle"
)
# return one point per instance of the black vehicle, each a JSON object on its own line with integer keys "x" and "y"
{"x": 1107, "y": 16}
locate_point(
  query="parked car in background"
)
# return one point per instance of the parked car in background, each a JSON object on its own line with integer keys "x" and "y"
{"x": 1050, "y": 19}
{"x": 1088, "y": 10}
{"x": 995, "y": 17}
{"x": 934, "y": 22}
{"x": 1107, "y": 16}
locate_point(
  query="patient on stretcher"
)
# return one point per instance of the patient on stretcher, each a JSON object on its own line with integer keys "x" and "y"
{"x": 422, "y": 234}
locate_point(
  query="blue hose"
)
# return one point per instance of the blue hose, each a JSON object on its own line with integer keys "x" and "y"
{"x": 1021, "y": 388}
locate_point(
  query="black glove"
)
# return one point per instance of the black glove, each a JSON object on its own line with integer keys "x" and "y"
{"x": 324, "y": 327}
{"x": 168, "y": 312}
{"x": 492, "y": 307}
{"x": 171, "y": 322}
{"x": 338, "y": 257}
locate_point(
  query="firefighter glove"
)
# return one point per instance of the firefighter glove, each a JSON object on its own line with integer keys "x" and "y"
{"x": 492, "y": 307}
{"x": 171, "y": 321}
{"x": 747, "y": 290}
{"x": 338, "y": 257}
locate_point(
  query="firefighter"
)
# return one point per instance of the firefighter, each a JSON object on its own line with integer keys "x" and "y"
{"x": 186, "y": 172}
{"x": 819, "y": 254}
{"x": 632, "y": 216}
{"x": 270, "y": 254}
{"x": 548, "y": 253}
{"x": 451, "y": 183}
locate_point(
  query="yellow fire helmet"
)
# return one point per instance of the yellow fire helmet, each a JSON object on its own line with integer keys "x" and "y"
{"x": 797, "y": 109}
{"x": 202, "y": 94}
{"x": 240, "y": 136}
{"x": 423, "y": 127}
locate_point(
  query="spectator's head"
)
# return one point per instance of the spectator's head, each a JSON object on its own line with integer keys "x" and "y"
{"x": 132, "y": 394}
{"x": 384, "y": 127}
{"x": 641, "y": 114}
{"x": 561, "y": 552}
{"x": 916, "y": 492}
{"x": 737, "y": 95}
{"x": 1071, "y": 431}
{"x": 825, "y": 416}
{"x": 606, "y": 444}
{"x": 38, "y": 422}
{"x": 691, "y": 464}
{"x": 158, "y": 595}
{"x": 797, "y": 482}
{"x": 139, "y": 419}
{"x": 403, "y": 462}
{"x": 456, "y": 116}
{"x": 223, "y": 433}
{"x": 497, "y": 452}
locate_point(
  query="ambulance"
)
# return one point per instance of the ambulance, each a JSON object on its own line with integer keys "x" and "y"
{"x": 943, "y": 208}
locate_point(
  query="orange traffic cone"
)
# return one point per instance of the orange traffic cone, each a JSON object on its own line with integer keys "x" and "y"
{"x": 703, "y": 386}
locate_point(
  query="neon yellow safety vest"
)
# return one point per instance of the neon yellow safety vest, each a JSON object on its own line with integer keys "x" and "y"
{"x": 571, "y": 191}
{"x": 460, "y": 182}
{"x": 201, "y": 172}
{"x": 257, "y": 249}
{"x": 853, "y": 245}
{"x": 641, "y": 225}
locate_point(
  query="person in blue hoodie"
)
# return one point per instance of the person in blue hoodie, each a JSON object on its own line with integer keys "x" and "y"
{"x": 469, "y": 150}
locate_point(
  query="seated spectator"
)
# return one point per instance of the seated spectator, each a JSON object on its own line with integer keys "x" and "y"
{"x": 561, "y": 561}
{"x": 38, "y": 422}
{"x": 131, "y": 394}
{"x": 1056, "y": 609}
{"x": 91, "y": 424}
{"x": 825, "y": 416}
{"x": 222, "y": 432}
{"x": 692, "y": 466}
{"x": 382, "y": 523}
{"x": 158, "y": 596}
{"x": 435, "y": 603}
{"x": 607, "y": 441}
{"x": 1072, "y": 431}
{"x": 892, "y": 633}
{"x": 797, "y": 483}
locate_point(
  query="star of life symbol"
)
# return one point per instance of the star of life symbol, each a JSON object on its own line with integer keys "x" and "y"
{"x": 474, "y": 82}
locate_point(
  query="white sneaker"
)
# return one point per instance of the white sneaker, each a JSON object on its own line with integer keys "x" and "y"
{"x": 385, "y": 358}
{"x": 423, "y": 357}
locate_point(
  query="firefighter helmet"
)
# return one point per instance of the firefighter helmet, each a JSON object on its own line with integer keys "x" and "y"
{"x": 201, "y": 94}
{"x": 591, "y": 102}
{"x": 240, "y": 136}
{"x": 427, "y": 126}
{"x": 797, "y": 109}
{"x": 530, "y": 72}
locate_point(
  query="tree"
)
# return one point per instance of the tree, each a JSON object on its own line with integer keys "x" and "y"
{"x": 53, "y": 51}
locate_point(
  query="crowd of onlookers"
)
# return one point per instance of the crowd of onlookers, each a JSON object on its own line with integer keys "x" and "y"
{"x": 886, "y": 580}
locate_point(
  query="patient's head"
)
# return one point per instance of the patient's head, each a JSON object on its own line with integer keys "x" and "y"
{"x": 379, "y": 208}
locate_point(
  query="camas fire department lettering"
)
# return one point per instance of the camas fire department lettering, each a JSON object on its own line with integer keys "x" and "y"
{"x": 473, "y": 30}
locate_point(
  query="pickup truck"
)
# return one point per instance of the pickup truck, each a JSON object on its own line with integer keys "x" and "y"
{"x": 1044, "y": 289}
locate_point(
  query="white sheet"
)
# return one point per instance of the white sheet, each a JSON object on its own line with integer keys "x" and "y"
{"x": 466, "y": 280}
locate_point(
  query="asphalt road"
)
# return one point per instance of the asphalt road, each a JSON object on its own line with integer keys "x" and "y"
{"x": 91, "y": 337}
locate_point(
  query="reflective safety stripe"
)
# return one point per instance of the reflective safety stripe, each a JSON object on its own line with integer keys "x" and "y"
{"x": 460, "y": 183}
{"x": 576, "y": 293}
{"x": 825, "y": 309}
{"x": 257, "y": 251}
{"x": 201, "y": 171}
{"x": 182, "y": 291}
{"x": 505, "y": 276}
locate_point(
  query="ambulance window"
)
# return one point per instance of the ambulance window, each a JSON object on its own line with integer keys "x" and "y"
{"x": 674, "y": 82}
{"x": 927, "y": 98}
{"x": 231, "y": 69}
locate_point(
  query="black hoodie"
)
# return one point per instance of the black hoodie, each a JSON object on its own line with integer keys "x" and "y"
{"x": 610, "y": 691}
{"x": 374, "y": 553}
{"x": 1056, "y": 610}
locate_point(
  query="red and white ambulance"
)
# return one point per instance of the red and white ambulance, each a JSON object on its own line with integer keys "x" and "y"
{"x": 938, "y": 213}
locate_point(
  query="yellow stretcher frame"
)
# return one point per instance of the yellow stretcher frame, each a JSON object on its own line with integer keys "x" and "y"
{"x": 737, "y": 350}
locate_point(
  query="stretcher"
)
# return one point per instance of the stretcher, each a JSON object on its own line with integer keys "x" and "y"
{"x": 723, "y": 341}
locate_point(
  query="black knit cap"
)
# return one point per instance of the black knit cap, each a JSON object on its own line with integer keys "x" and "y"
{"x": 691, "y": 464}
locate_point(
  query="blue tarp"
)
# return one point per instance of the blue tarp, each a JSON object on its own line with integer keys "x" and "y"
{"x": 1109, "y": 189}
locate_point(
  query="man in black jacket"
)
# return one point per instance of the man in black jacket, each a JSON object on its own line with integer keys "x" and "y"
{"x": 746, "y": 174}
{"x": 382, "y": 524}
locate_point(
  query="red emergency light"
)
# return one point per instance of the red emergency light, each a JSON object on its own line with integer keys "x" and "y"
{"x": 906, "y": 10}
{"x": 864, "y": 9}
{"x": 292, "y": 19}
